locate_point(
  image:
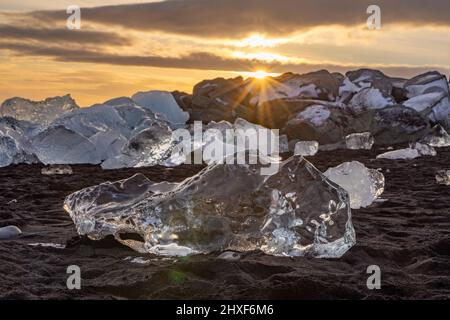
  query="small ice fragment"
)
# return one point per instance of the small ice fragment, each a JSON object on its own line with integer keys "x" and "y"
{"x": 437, "y": 137}
{"x": 443, "y": 177}
{"x": 48, "y": 245}
{"x": 55, "y": 169}
{"x": 306, "y": 148}
{"x": 229, "y": 255}
{"x": 356, "y": 141}
{"x": 363, "y": 185}
{"x": 405, "y": 154}
{"x": 9, "y": 232}
{"x": 140, "y": 260}
{"x": 424, "y": 149}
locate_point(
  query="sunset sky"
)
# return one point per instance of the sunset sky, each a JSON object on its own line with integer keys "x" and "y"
{"x": 128, "y": 46}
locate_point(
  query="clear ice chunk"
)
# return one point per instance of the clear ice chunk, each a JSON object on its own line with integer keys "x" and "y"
{"x": 363, "y": 185}
{"x": 296, "y": 211}
{"x": 437, "y": 137}
{"x": 443, "y": 177}
{"x": 357, "y": 141}
{"x": 39, "y": 112}
{"x": 400, "y": 154}
{"x": 59, "y": 145}
{"x": 9, "y": 232}
{"x": 424, "y": 149}
{"x": 163, "y": 103}
{"x": 306, "y": 148}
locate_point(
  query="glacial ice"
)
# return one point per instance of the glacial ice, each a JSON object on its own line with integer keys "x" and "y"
{"x": 306, "y": 148}
{"x": 148, "y": 147}
{"x": 296, "y": 211}
{"x": 443, "y": 177}
{"x": 363, "y": 185}
{"x": 59, "y": 145}
{"x": 15, "y": 146}
{"x": 356, "y": 141}
{"x": 370, "y": 98}
{"x": 404, "y": 154}
{"x": 437, "y": 137}
{"x": 9, "y": 232}
{"x": 424, "y": 149}
{"x": 39, "y": 112}
{"x": 163, "y": 103}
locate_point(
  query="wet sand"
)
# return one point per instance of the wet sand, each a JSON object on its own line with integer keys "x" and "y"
{"x": 408, "y": 236}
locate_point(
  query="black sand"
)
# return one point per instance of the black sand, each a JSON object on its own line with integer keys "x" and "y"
{"x": 408, "y": 237}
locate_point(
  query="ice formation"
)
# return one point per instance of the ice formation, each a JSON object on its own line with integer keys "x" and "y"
{"x": 163, "y": 103}
{"x": 56, "y": 169}
{"x": 370, "y": 98}
{"x": 443, "y": 177}
{"x": 39, "y": 112}
{"x": 59, "y": 145}
{"x": 296, "y": 211}
{"x": 306, "y": 148}
{"x": 424, "y": 149}
{"x": 356, "y": 141}
{"x": 404, "y": 154}
{"x": 363, "y": 185}
{"x": 437, "y": 137}
{"x": 9, "y": 232}
{"x": 15, "y": 146}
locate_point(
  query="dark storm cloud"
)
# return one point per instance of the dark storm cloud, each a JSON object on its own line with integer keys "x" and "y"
{"x": 199, "y": 60}
{"x": 231, "y": 18}
{"x": 61, "y": 35}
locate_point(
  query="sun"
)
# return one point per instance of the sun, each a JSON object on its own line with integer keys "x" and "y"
{"x": 260, "y": 74}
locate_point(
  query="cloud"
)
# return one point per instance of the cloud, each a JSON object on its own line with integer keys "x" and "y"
{"x": 61, "y": 35}
{"x": 198, "y": 60}
{"x": 237, "y": 18}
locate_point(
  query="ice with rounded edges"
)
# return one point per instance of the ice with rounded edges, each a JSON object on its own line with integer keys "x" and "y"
{"x": 296, "y": 211}
{"x": 306, "y": 148}
{"x": 364, "y": 185}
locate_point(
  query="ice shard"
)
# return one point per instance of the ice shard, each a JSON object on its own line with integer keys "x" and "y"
{"x": 38, "y": 112}
{"x": 443, "y": 177}
{"x": 356, "y": 141}
{"x": 163, "y": 103}
{"x": 306, "y": 148}
{"x": 402, "y": 154}
{"x": 363, "y": 185}
{"x": 437, "y": 137}
{"x": 296, "y": 211}
{"x": 424, "y": 149}
{"x": 59, "y": 145}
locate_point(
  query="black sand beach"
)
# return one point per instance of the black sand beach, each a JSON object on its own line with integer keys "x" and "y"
{"x": 407, "y": 236}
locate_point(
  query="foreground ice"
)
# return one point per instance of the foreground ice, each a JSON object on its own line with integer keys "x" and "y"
{"x": 9, "y": 232}
{"x": 415, "y": 150}
{"x": 363, "y": 185}
{"x": 424, "y": 149}
{"x": 356, "y": 141}
{"x": 296, "y": 212}
{"x": 306, "y": 148}
{"x": 404, "y": 154}
{"x": 437, "y": 137}
{"x": 443, "y": 177}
